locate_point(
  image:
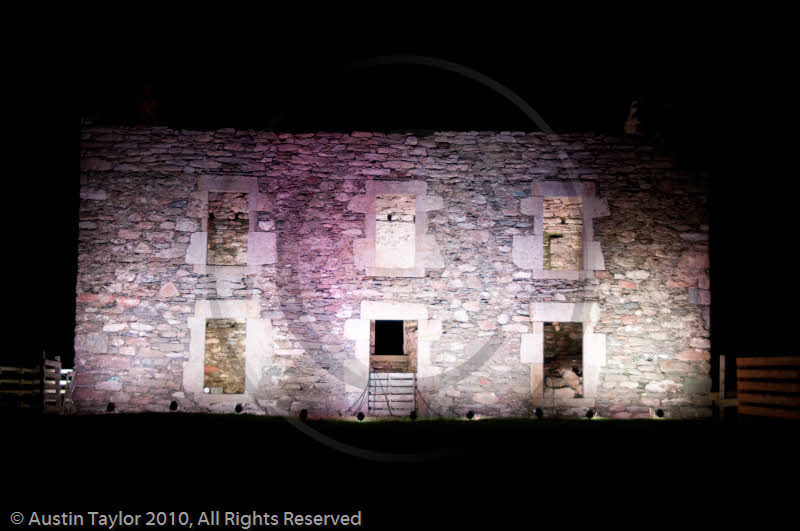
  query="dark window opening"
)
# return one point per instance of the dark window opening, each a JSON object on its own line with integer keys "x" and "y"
{"x": 393, "y": 346}
{"x": 389, "y": 338}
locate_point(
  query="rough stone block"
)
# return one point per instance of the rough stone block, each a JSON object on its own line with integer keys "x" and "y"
{"x": 697, "y": 385}
{"x": 92, "y": 343}
{"x": 359, "y": 203}
{"x": 260, "y": 203}
{"x": 531, "y": 206}
{"x": 429, "y": 253}
{"x": 427, "y": 203}
{"x": 363, "y": 252}
{"x": 596, "y": 207}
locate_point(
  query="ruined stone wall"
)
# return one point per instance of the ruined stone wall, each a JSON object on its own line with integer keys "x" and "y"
{"x": 136, "y": 292}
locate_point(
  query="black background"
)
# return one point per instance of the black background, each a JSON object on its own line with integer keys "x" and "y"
{"x": 713, "y": 90}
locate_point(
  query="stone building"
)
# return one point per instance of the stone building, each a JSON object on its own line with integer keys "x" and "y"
{"x": 385, "y": 273}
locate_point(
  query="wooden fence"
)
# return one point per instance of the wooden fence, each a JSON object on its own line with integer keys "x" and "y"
{"x": 46, "y": 388}
{"x": 769, "y": 386}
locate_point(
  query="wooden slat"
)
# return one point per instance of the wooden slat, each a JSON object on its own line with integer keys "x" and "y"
{"x": 770, "y": 412}
{"x": 392, "y": 399}
{"x": 787, "y": 361}
{"x": 783, "y": 387}
{"x": 21, "y": 369}
{"x": 780, "y": 374}
{"x": 20, "y": 382}
{"x": 760, "y": 398}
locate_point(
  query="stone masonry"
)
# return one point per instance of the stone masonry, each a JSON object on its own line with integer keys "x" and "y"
{"x": 563, "y": 241}
{"x": 300, "y": 276}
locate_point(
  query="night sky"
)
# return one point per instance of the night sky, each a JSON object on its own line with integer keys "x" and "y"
{"x": 715, "y": 101}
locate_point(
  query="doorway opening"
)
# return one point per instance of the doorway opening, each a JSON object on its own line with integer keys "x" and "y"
{"x": 563, "y": 360}
{"x": 392, "y": 367}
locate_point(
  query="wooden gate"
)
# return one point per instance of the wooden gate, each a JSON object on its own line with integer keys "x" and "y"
{"x": 392, "y": 393}
{"x": 769, "y": 386}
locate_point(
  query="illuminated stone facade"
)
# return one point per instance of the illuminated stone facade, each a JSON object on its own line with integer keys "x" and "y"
{"x": 289, "y": 237}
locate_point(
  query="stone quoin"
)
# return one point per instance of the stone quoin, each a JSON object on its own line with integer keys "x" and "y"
{"x": 525, "y": 270}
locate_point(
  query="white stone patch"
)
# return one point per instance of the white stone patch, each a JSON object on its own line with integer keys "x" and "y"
{"x": 527, "y": 251}
{"x": 532, "y": 348}
{"x": 197, "y": 252}
{"x": 261, "y": 248}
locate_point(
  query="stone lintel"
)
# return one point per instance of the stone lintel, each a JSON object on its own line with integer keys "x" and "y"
{"x": 562, "y": 189}
{"x": 227, "y": 183}
{"x": 580, "y": 312}
{"x": 393, "y": 310}
{"x": 374, "y": 187}
{"x": 226, "y": 309}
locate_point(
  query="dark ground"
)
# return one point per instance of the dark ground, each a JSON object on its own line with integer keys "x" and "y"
{"x": 402, "y": 472}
